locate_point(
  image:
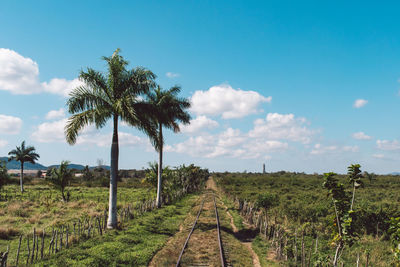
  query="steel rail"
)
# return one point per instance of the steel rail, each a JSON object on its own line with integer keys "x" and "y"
{"x": 221, "y": 250}
{"x": 191, "y": 231}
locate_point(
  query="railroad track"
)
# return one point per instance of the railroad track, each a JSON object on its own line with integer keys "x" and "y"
{"x": 220, "y": 243}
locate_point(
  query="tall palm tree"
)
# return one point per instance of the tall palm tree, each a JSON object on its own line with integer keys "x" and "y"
{"x": 23, "y": 154}
{"x": 111, "y": 96}
{"x": 167, "y": 109}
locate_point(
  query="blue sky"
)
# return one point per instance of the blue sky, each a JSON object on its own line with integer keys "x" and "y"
{"x": 274, "y": 82}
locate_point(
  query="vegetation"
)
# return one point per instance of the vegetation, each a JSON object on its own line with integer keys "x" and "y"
{"x": 112, "y": 96}
{"x": 167, "y": 109}
{"x": 3, "y": 174}
{"x": 135, "y": 246}
{"x": 185, "y": 179}
{"x": 60, "y": 177}
{"x": 304, "y": 208}
{"x": 23, "y": 154}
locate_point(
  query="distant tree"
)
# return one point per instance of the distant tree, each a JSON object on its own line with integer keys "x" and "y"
{"x": 167, "y": 109}
{"x": 60, "y": 177}
{"x": 87, "y": 175}
{"x": 370, "y": 175}
{"x": 39, "y": 173}
{"x": 23, "y": 154}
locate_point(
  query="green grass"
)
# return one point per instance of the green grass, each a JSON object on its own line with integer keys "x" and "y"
{"x": 41, "y": 207}
{"x": 303, "y": 201}
{"x": 261, "y": 247}
{"x": 133, "y": 246}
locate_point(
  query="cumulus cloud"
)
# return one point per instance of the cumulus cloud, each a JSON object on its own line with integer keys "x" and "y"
{"x": 226, "y": 101}
{"x": 198, "y": 124}
{"x": 104, "y": 140}
{"x": 388, "y": 145}
{"x": 10, "y": 124}
{"x": 319, "y": 149}
{"x": 378, "y": 156}
{"x": 50, "y": 132}
{"x": 269, "y": 135}
{"x": 361, "y": 136}
{"x": 55, "y": 114}
{"x": 20, "y": 75}
{"x": 172, "y": 75}
{"x": 229, "y": 143}
{"x": 3, "y": 143}
{"x": 359, "y": 103}
{"x": 282, "y": 126}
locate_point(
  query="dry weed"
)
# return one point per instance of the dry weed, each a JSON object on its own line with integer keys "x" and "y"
{"x": 8, "y": 232}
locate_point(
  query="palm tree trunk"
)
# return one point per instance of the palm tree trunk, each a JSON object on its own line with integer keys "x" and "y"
{"x": 159, "y": 180}
{"x": 112, "y": 209}
{"x": 21, "y": 177}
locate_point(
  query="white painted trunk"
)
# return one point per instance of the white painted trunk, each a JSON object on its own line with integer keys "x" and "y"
{"x": 159, "y": 172}
{"x": 112, "y": 204}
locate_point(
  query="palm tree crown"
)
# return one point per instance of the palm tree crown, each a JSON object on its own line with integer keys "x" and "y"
{"x": 167, "y": 109}
{"x": 112, "y": 96}
{"x": 23, "y": 154}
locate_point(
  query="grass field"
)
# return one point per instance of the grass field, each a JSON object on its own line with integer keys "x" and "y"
{"x": 40, "y": 207}
{"x": 303, "y": 204}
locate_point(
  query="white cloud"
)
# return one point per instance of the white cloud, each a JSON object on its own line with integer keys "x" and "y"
{"x": 104, "y": 140}
{"x": 319, "y": 149}
{"x": 172, "y": 75}
{"x": 10, "y": 124}
{"x": 3, "y": 143}
{"x": 226, "y": 101}
{"x": 55, "y": 114}
{"x": 268, "y": 136}
{"x": 378, "y": 156}
{"x": 361, "y": 136}
{"x": 199, "y": 146}
{"x": 388, "y": 145}
{"x": 50, "y": 132}
{"x": 20, "y": 75}
{"x": 360, "y": 103}
{"x": 199, "y": 123}
{"x": 229, "y": 143}
{"x": 282, "y": 126}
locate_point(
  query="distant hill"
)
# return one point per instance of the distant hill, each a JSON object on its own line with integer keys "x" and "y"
{"x": 27, "y": 165}
{"x": 70, "y": 166}
{"x": 37, "y": 166}
{"x": 394, "y": 173}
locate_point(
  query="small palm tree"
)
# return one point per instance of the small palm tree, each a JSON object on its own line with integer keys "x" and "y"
{"x": 60, "y": 177}
{"x": 23, "y": 154}
{"x": 166, "y": 110}
{"x": 112, "y": 96}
